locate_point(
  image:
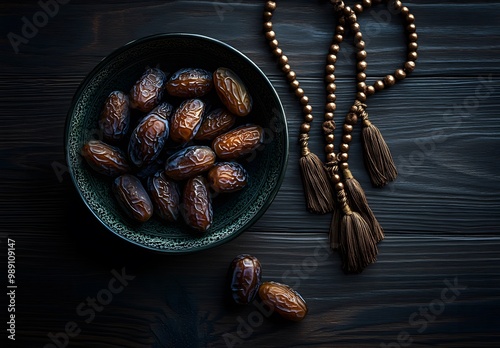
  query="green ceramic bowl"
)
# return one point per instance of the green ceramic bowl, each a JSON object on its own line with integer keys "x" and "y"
{"x": 233, "y": 213}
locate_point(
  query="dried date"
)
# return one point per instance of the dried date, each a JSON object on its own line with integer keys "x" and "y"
{"x": 186, "y": 120}
{"x": 149, "y": 137}
{"x": 190, "y": 83}
{"x": 189, "y": 162}
{"x": 165, "y": 196}
{"x": 148, "y": 90}
{"x": 227, "y": 177}
{"x": 132, "y": 197}
{"x": 283, "y": 300}
{"x": 114, "y": 121}
{"x": 232, "y": 92}
{"x": 105, "y": 159}
{"x": 197, "y": 204}
{"x": 215, "y": 123}
{"x": 246, "y": 275}
{"x": 238, "y": 142}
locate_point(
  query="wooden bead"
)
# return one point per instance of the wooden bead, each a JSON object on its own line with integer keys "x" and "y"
{"x": 283, "y": 60}
{"x": 370, "y": 90}
{"x": 336, "y": 178}
{"x": 411, "y": 28}
{"x": 294, "y": 84}
{"x": 360, "y": 45}
{"x": 412, "y": 56}
{"x": 330, "y": 107}
{"x": 351, "y": 118}
{"x": 397, "y": 5}
{"x": 270, "y": 35}
{"x": 361, "y": 96}
{"x": 344, "y": 166}
{"x": 307, "y": 109}
{"x": 339, "y": 186}
{"x": 405, "y": 11}
{"x": 330, "y": 69}
{"x": 331, "y": 59}
{"x": 361, "y": 86}
{"x": 399, "y": 74}
{"x": 347, "y": 128}
{"x": 270, "y": 6}
{"x": 379, "y": 85}
{"x": 366, "y": 3}
{"x": 353, "y": 109}
{"x": 361, "y": 76}
{"x": 410, "y": 66}
{"x": 344, "y": 157}
{"x": 305, "y": 127}
{"x": 338, "y": 38}
{"x": 268, "y": 26}
{"x": 268, "y": 15}
{"x": 358, "y": 8}
{"x": 299, "y": 92}
{"x": 304, "y": 100}
{"x": 331, "y": 87}
{"x": 308, "y": 118}
{"x": 410, "y": 18}
{"x": 286, "y": 68}
{"x": 361, "y": 55}
{"x": 347, "y": 138}
{"x": 331, "y": 98}
{"x": 355, "y": 27}
{"x": 329, "y": 148}
{"x": 330, "y": 138}
{"x": 330, "y": 78}
{"x": 413, "y": 37}
{"x": 358, "y": 36}
{"x": 344, "y": 147}
{"x": 331, "y": 157}
{"x": 389, "y": 80}
{"x": 274, "y": 43}
{"x": 291, "y": 76}
{"x": 362, "y": 65}
{"x": 340, "y": 29}
{"x": 334, "y": 49}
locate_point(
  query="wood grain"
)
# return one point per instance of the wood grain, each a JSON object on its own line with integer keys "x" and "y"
{"x": 441, "y": 216}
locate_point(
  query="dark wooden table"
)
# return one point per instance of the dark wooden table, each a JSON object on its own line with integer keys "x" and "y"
{"x": 437, "y": 279}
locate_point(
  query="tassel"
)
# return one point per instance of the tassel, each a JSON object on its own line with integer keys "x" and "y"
{"x": 357, "y": 247}
{"x": 358, "y": 201}
{"x": 317, "y": 188}
{"x": 335, "y": 229}
{"x": 377, "y": 156}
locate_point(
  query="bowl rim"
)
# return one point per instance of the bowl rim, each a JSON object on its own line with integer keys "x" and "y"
{"x": 180, "y": 35}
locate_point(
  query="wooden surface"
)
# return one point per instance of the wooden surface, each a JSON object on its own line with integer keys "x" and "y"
{"x": 441, "y": 216}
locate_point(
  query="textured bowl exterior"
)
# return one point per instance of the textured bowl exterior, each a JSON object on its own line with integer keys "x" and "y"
{"x": 233, "y": 213}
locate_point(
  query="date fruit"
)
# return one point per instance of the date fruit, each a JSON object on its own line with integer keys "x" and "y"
{"x": 246, "y": 274}
{"x": 132, "y": 197}
{"x": 165, "y": 196}
{"x": 215, "y": 123}
{"x": 148, "y": 90}
{"x": 149, "y": 137}
{"x": 190, "y": 83}
{"x": 238, "y": 142}
{"x": 105, "y": 159}
{"x": 189, "y": 162}
{"x": 186, "y": 120}
{"x": 197, "y": 204}
{"x": 283, "y": 300}
{"x": 227, "y": 177}
{"x": 232, "y": 92}
{"x": 115, "y": 117}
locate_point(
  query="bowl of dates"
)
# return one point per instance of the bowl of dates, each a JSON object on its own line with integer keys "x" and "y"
{"x": 176, "y": 142}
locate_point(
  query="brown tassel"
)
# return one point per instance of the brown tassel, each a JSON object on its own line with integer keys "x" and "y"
{"x": 317, "y": 188}
{"x": 357, "y": 247}
{"x": 377, "y": 156}
{"x": 358, "y": 202}
{"x": 335, "y": 229}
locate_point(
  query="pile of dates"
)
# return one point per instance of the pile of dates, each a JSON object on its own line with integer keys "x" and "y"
{"x": 168, "y": 159}
{"x": 245, "y": 276}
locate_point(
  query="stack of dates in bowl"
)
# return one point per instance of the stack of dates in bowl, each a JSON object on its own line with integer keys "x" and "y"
{"x": 170, "y": 143}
